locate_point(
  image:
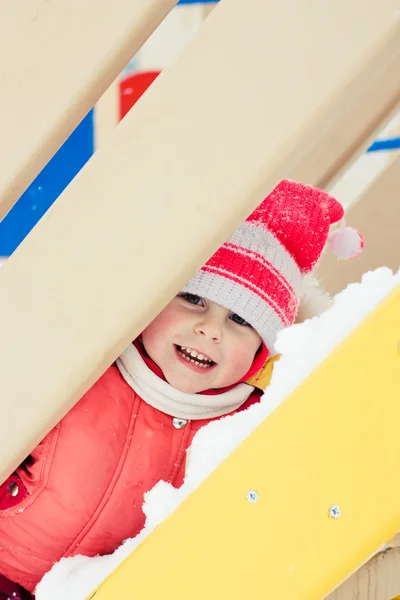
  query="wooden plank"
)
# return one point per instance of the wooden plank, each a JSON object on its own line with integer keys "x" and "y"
{"x": 106, "y": 114}
{"x": 365, "y": 132}
{"x": 377, "y": 216}
{"x": 330, "y": 443}
{"x": 395, "y": 542}
{"x": 379, "y": 579}
{"x": 208, "y": 8}
{"x": 181, "y": 172}
{"x": 366, "y": 169}
{"x": 58, "y": 59}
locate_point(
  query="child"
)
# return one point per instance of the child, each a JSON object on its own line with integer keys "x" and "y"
{"x": 81, "y": 490}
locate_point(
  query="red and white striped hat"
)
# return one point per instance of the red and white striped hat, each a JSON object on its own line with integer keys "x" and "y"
{"x": 258, "y": 271}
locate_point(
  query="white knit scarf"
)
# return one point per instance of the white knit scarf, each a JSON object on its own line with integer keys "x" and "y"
{"x": 162, "y": 396}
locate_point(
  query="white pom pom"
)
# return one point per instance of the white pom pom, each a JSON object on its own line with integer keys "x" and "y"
{"x": 345, "y": 243}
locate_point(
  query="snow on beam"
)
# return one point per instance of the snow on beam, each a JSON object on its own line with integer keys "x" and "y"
{"x": 211, "y": 137}
{"x": 57, "y": 60}
{"x": 332, "y": 443}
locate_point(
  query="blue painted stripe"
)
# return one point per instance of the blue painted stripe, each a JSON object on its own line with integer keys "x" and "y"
{"x": 47, "y": 186}
{"x": 197, "y": 1}
{"x": 390, "y": 144}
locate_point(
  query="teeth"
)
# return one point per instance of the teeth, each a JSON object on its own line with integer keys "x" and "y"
{"x": 195, "y": 362}
{"x": 190, "y": 355}
{"x": 195, "y": 354}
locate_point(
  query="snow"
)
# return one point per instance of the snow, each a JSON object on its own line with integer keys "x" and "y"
{"x": 303, "y": 347}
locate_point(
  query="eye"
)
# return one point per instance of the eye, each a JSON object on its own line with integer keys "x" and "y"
{"x": 193, "y": 299}
{"x": 239, "y": 320}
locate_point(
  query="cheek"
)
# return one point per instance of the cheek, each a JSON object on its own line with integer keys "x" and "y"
{"x": 160, "y": 330}
{"x": 241, "y": 360}
{"x": 242, "y": 353}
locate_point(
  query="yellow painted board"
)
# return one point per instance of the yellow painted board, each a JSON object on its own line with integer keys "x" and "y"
{"x": 191, "y": 160}
{"x": 334, "y": 441}
{"x": 58, "y": 58}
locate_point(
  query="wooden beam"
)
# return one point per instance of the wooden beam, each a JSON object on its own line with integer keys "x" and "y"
{"x": 331, "y": 442}
{"x": 195, "y": 155}
{"x": 366, "y": 169}
{"x": 58, "y": 59}
{"x": 106, "y": 114}
{"x": 378, "y": 579}
{"x": 377, "y": 216}
{"x": 208, "y": 8}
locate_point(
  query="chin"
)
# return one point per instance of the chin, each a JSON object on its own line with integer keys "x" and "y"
{"x": 186, "y": 387}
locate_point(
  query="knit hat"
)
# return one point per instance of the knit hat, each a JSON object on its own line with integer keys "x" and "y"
{"x": 257, "y": 273}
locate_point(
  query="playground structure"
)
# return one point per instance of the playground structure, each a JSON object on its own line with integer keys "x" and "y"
{"x": 228, "y": 150}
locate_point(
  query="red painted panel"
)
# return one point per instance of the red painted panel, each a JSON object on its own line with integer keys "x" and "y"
{"x": 132, "y": 88}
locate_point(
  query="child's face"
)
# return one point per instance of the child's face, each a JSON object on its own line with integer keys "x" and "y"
{"x": 225, "y": 344}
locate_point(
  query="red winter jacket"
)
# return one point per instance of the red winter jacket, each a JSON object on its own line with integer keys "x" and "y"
{"x": 12, "y": 591}
{"x": 83, "y": 491}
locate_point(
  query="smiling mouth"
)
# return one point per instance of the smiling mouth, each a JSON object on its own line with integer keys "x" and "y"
{"x": 194, "y": 357}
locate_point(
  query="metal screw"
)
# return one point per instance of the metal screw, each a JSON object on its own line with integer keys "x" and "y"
{"x": 334, "y": 511}
{"x": 252, "y": 496}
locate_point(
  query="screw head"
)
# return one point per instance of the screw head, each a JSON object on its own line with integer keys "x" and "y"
{"x": 334, "y": 511}
{"x": 252, "y": 496}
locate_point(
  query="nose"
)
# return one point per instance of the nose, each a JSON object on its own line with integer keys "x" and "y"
{"x": 209, "y": 328}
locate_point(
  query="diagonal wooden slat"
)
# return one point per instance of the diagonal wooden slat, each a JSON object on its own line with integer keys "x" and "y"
{"x": 378, "y": 579}
{"x": 257, "y": 95}
{"x": 377, "y": 216}
{"x": 58, "y": 57}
